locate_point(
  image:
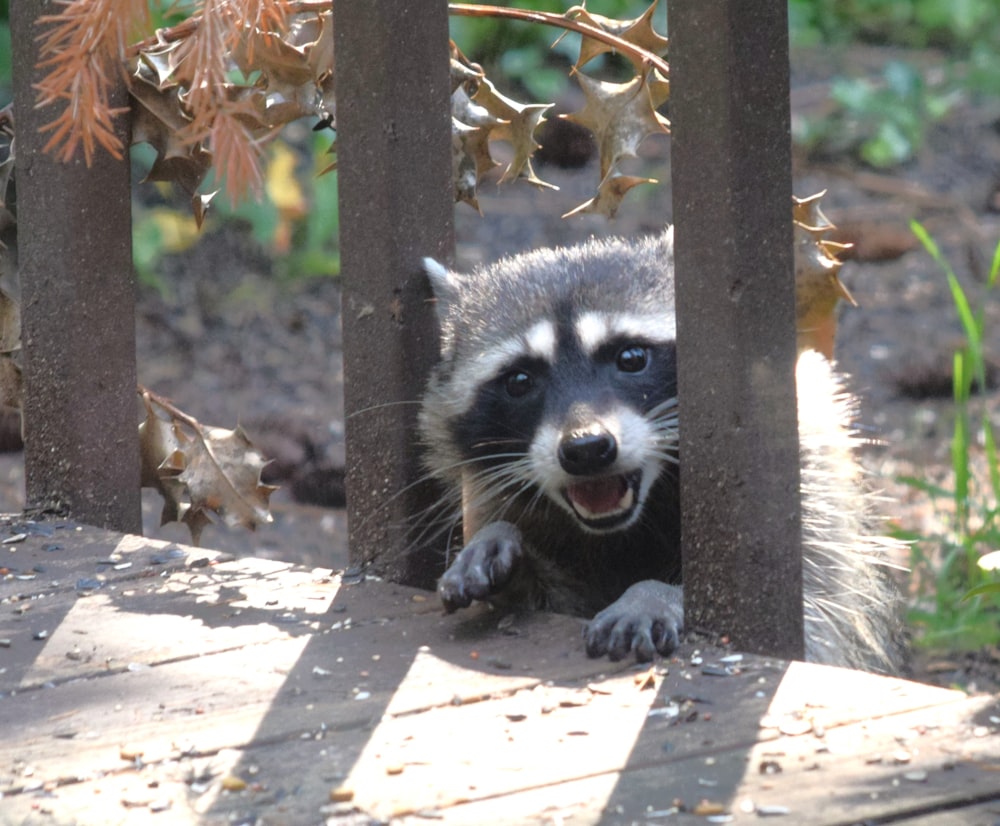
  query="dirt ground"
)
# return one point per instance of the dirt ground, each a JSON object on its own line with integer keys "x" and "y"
{"x": 229, "y": 343}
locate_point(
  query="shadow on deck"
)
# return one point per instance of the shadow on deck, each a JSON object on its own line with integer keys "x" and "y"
{"x": 140, "y": 677}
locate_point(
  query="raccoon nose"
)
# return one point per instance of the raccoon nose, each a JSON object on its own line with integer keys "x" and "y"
{"x": 585, "y": 453}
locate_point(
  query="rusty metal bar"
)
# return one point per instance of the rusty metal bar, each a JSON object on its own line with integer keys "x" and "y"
{"x": 736, "y": 321}
{"x": 396, "y": 206}
{"x": 78, "y": 313}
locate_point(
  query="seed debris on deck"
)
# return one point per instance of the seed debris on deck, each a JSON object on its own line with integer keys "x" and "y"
{"x": 142, "y": 682}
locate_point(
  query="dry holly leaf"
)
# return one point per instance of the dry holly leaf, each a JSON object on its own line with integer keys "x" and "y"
{"x": 620, "y": 115}
{"x": 638, "y": 31}
{"x": 11, "y": 380}
{"x": 471, "y": 125}
{"x": 313, "y": 34}
{"x": 463, "y": 70}
{"x": 200, "y": 202}
{"x": 159, "y": 441}
{"x": 609, "y": 195}
{"x": 201, "y": 470}
{"x": 6, "y": 169}
{"x": 211, "y": 91}
{"x": 658, "y": 87}
{"x": 222, "y": 475}
{"x": 10, "y": 324}
{"x": 818, "y": 288}
{"x": 11, "y": 384}
{"x": 468, "y": 144}
{"x": 159, "y": 119}
{"x": 516, "y": 125}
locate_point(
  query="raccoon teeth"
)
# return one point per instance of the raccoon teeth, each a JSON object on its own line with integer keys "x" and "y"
{"x": 602, "y": 500}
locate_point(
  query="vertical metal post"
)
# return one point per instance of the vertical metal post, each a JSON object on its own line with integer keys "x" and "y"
{"x": 78, "y": 313}
{"x": 736, "y": 321}
{"x": 396, "y": 206}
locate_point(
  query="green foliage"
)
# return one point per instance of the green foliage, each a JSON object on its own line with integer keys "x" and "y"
{"x": 885, "y": 122}
{"x": 296, "y": 218}
{"x": 958, "y": 26}
{"x": 957, "y": 604}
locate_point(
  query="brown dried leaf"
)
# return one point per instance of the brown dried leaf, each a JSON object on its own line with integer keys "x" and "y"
{"x": 471, "y": 126}
{"x": 286, "y": 74}
{"x": 818, "y": 288}
{"x": 201, "y": 470}
{"x": 222, "y": 475}
{"x": 469, "y": 144}
{"x": 463, "y": 70}
{"x": 620, "y": 115}
{"x": 161, "y": 460}
{"x": 159, "y": 119}
{"x": 609, "y": 195}
{"x": 516, "y": 124}
{"x": 638, "y": 31}
{"x": 157, "y": 442}
{"x": 10, "y": 324}
{"x": 6, "y": 171}
{"x": 313, "y": 33}
{"x": 11, "y": 378}
{"x": 11, "y": 383}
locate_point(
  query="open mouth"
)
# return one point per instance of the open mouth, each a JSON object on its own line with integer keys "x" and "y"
{"x": 604, "y": 502}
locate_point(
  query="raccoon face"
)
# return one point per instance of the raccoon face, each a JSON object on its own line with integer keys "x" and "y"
{"x": 581, "y": 412}
{"x": 557, "y": 381}
{"x": 595, "y": 418}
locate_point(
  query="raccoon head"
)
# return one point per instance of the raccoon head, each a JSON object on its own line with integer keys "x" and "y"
{"x": 557, "y": 381}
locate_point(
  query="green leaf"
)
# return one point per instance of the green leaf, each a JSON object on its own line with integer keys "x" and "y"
{"x": 987, "y": 588}
{"x": 889, "y": 147}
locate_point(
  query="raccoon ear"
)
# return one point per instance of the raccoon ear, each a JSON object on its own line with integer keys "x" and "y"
{"x": 444, "y": 283}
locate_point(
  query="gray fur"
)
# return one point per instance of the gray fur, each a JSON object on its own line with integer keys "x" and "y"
{"x": 533, "y": 551}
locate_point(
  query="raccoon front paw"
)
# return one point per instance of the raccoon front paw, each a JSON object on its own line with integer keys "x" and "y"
{"x": 483, "y": 567}
{"x": 647, "y": 619}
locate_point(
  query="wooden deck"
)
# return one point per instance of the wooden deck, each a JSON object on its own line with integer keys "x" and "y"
{"x": 140, "y": 678}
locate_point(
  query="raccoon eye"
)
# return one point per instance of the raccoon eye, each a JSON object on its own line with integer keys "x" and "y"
{"x": 517, "y": 383}
{"x": 632, "y": 359}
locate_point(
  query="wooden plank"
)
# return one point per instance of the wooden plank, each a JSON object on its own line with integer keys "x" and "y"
{"x": 701, "y": 733}
{"x": 852, "y": 773}
{"x": 981, "y": 814}
{"x": 298, "y": 684}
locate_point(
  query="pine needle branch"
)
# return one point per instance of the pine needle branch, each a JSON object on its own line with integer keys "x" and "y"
{"x": 83, "y": 47}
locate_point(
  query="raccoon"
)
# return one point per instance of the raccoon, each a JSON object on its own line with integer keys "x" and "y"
{"x": 553, "y": 415}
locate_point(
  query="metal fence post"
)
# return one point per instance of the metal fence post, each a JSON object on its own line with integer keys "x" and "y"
{"x": 396, "y": 206}
{"x": 736, "y": 321}
{"x": 78, "y": 313}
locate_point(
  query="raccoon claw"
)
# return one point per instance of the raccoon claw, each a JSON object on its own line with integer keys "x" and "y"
{"x": 647, "y": 619}
{"x": 482, "y": 568}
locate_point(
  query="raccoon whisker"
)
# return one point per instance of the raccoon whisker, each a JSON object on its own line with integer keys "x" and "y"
{"x": 447, "y": 501}
{"x": 372, "y": 408}
{"x": 667, "y": 425}
{"x": 499, "y": 443}
{"x": 493, "y": 483}
{"x": 513, "y": 498}
{"x": 658, "y": 410}
{"x": 664, "y": 456}
{"x": 500, "y": 477}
